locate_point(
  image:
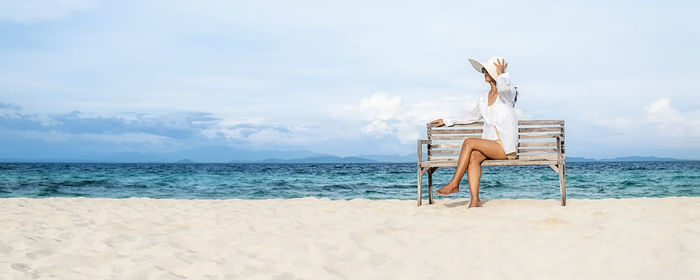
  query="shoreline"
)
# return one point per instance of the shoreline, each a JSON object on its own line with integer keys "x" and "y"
{"x": 425, "y": 198}
{"x": 127, "y": 238}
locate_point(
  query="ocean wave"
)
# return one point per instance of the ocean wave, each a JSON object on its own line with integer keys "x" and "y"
{"x": 338, "y": 181}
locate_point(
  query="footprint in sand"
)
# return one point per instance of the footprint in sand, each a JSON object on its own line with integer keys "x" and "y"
{"x": 21, "y": 267}
{"x": 5, "y": 249}
{"x": 40, "y": 253}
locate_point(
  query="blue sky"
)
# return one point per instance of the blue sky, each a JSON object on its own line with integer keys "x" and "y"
{"x": 89, "y": 79}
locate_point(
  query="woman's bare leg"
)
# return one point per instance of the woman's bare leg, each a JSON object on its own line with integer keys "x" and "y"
{"x": 489, "y": 148}
{"x": 474, "y": 176}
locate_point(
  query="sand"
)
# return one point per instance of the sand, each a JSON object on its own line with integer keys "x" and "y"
{"x": 309, "y": 238}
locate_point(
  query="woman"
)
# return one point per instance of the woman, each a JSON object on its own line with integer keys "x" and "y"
{"x": 500, "y": 135}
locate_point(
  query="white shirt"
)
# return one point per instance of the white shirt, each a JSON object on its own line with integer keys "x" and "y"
{"x": 499, "y": 118}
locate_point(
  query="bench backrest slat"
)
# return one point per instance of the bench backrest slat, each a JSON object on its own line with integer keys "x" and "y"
{"x": 536, "y": 139}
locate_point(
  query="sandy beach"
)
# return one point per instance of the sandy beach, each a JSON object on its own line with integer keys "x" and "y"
{"x": 309, "y": 238}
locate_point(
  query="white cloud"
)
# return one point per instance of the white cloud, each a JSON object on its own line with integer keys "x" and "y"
{"x": 387, "y": 115}
{"x": 658, "y": 124}
{"x": 380, "y": 106}
{"x": 383, "y": 112}
{"x": 407, "y": 132}
{"x": 379, "y": 127}
{"x": 670, "y": 122}
{"x": 256, "y": 132}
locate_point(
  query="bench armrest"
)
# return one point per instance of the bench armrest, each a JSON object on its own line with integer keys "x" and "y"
{"x": 422, "y": 142}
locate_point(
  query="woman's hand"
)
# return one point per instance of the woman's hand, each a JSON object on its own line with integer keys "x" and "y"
{"x": 500, "y": 66}
{"x": 437, "y": 123}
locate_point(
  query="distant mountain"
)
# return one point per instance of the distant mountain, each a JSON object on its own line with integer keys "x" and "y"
{"x": 322, "y": 159}
{"x": 229, "y": 154}
{"x": 580, "y": 159}
{"x": 638, "y": 158}
{"x": 223, "y": 154}
{"x": 202, "y": 154}
{"x": 629, "y": 158}
{"x": 391, "y": 158}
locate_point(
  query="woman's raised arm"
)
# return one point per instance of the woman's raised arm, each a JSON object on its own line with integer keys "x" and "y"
{"x": 506, "y": 89}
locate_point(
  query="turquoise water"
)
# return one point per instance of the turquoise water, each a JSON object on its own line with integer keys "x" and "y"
{"x": 339, "y": 181}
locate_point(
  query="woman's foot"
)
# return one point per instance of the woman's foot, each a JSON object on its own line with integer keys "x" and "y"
{"x": 450, "y": 188}
{"x": 475, "y": 203}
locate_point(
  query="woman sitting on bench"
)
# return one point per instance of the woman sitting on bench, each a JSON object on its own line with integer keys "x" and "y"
{"x": 500, "y": 133}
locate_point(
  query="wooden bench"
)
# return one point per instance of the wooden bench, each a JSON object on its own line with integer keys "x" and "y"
{"x": 540, "y": 142}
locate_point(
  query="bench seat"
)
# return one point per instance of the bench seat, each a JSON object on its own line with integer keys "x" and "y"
{"x": 450, "y": 163}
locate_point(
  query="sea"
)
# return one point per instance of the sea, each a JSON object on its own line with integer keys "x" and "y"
{"x": 342, "y": 181}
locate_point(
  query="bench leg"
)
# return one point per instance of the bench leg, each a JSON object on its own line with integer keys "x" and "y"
{"x": 430, "y": 185}
{"x": 562, "y": 183}
{"x": 420, "y": 183}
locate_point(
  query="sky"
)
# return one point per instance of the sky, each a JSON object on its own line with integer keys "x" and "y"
{"x": 86, "y": 79}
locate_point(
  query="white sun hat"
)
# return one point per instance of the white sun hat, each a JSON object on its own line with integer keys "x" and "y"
{"x": 489, "y": 65}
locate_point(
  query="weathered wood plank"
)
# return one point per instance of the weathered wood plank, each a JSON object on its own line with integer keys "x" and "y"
{"x": 524, "y": 147}
{"x": 419, "y": 153}
{"x": 452, "y": 137}
{"x": 455, "y": 131}
{"x": 450, "y": 163}
{"x": 537, "y": 144}
{"x": 521, "y": 136}
{"x": 524, "y": 151}
{"x": 480, "y": 124}
{"x": 442, "y": 158}
{"x": 554, "y": 167}
{"x": 440, "y": 152}
{"x": 540, "y": 122}
{"x": 444, "y": 152}
{"x": 562, "y": 170}
{"x": 517, "y": 162}
{"x": 551, "y": 157}
{"x": 446, "y": 146}
{"x": 540, "y": 129}
{"x": 520, "y": 122}
{"x": 442, "y": 163}
{"x": 430, "y": 185}
{"x": 544, "y": 157}
{"x": 538, "y": 136}
{"x": 478, "y": 132}
{"x": 458, "y": 136}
